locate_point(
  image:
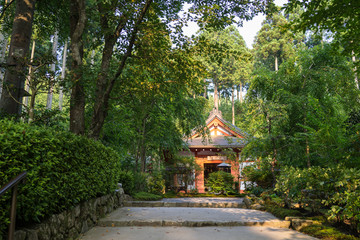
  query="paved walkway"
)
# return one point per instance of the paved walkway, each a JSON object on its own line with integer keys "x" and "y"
{"x": 188, "y": 223}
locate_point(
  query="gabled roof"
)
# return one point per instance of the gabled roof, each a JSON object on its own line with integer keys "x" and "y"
{"x": 231, "y": 136}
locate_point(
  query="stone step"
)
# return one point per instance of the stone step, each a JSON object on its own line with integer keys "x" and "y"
{"x": 170, "y": 223}
{"x": 190, "y": 217}
{"x": 185, "y": 204}
{"x": 186, "y": 233}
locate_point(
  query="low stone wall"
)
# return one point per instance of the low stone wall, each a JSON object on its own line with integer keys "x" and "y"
{"x": 71, "y": 223}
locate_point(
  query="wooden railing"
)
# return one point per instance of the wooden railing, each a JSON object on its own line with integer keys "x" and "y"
{"x": 13, "y": 184}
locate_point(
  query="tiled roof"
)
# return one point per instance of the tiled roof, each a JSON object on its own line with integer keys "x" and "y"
{"x": 218, "y": 141}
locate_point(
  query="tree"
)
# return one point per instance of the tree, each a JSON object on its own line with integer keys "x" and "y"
{"x": 316, "y": 93}
{"x": 156, "y": 109}
{"x": 337, "y": 16}
{"x": 274, "y": 43}
{"x": 226, "y": 58}
{"x": 13, "y": 84}
{"x": 120, "y": 26}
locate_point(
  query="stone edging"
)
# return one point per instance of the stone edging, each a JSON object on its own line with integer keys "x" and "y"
{"x": 73, "y": 222}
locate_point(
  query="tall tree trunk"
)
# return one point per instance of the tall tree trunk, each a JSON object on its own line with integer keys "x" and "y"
{"x": 3, "y": 47}
{"x": 142, "y": 146}
{"x": 13, "y": 84}
{"x": 205, "y": 91}
{"x": 77, "y": 99}
{"x": 105, "y": 85}
{"x": 274, "y": 158}
{"x": 276, "y": 64}
{"x": 52, "y": 69}
{"x": 240, "y": 93}
{"x": 216, "y": 101}
{"x": 62, "y": 78}
{"x": 233, "y": 105}
{"x": 28, "y": 79}
{"x": 355, "y": 70}
{"x": 32, "y": 105}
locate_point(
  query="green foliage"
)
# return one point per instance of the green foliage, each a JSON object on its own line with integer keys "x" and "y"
{"x": 345, "y": 202}
{"x": 274, "y": 43}
{"x": 227, "y": 59}
{"x": 221, "y": 182}
{"x": 145, "y": 196}
{"x": 126, "y": 178}
{"x": 156, "y": 183}
{"x": 336, "y": 188}
{"x": 324, "y": 15}
{"x": 63, "y": 170}
{"x": 299, "y": 114}
{"x": 261, "y": 174}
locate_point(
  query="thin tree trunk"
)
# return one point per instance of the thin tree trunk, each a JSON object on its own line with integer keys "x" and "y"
{"x": 355, "y": 70}
{"x": 276, "y": 64}
{"x": 205, "y": 91}
{"x": 274, "y": 158}
{"x": 28, "y": 79}
{"x": 52, "y": 69}
{"x": 143, "y": 147}
{"x": 32, "y": 105}
{"x": 77, "y": 99}
{"x": 3, "y": 47}
{"x": 13, "y": 84}
{"x": 240, "y": 93}
{"x": 62, "y": 78}
{"x": 216, "y": 101}
{"x": 308, "y": 153}
{"x": 233, "y": 105}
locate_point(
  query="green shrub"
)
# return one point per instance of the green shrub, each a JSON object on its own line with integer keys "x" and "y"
{"x": 126, "y": 178}
{"x": 140, "y": 182}
{"x": 337, "y": 189}
{"x": 63, "y": 170}
{"x": 156, "y": 183}
{"x": 145, "y": 196}
{"x": 257, "y": 190}
{"x": 261, "y": 174}
{"x": 221, "y": 182}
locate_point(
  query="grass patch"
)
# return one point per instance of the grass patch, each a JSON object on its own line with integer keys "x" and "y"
{"x": 323, "y": 231}
{"x": 281, "y": 213}
{"x": 145, "y": 196}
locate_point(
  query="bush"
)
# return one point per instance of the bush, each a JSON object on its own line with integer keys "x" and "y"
{"x": 63, "y": 170}
{"x": 126, "y": 178}
{"x": 145, "y": 196}
{"x": 336, "y": 188}
{"x": 221, "y": 182}
{"x": 156, "y": 183}
{"x": 261, "y": 175}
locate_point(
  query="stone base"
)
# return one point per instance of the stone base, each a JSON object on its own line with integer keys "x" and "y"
{"x": 73, "y": 222}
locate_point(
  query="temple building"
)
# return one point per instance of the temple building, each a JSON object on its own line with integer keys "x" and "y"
{"x": 219, "y": 152}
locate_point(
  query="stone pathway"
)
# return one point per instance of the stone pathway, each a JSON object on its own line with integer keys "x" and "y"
{"x": 138, "y": 220}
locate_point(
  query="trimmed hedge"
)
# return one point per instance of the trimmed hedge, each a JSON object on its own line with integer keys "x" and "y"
{"x": 63, "y": 170}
